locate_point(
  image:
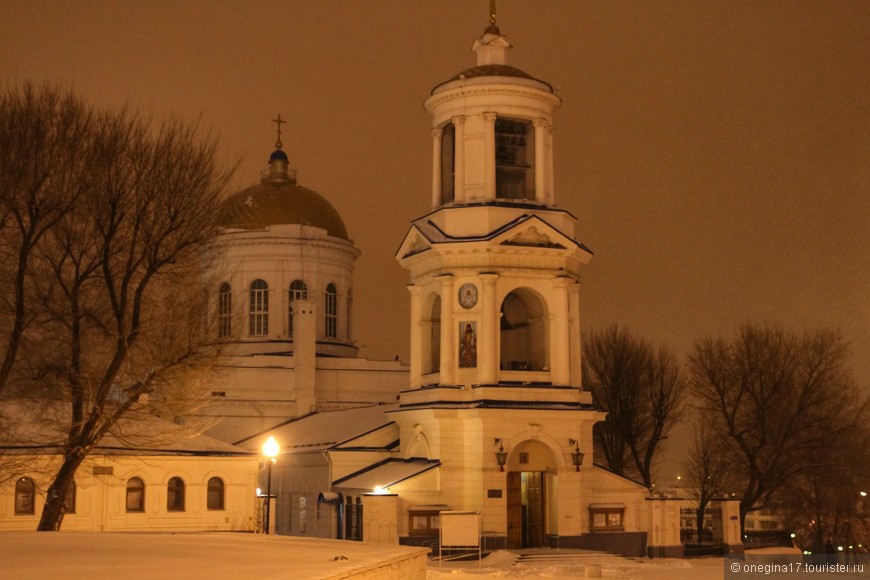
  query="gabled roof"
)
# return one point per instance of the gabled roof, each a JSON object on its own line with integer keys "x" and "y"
{"x": 425, "y": 233}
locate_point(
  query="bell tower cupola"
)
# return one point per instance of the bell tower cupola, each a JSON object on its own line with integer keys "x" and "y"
{"x": 492, "y": 131}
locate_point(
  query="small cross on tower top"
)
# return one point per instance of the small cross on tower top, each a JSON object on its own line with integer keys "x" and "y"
{"x": 279, "y": 121}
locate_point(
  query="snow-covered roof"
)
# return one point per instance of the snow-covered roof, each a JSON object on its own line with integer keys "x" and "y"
{"x": 323, "y": 430}
{"x": 385, "y": 474}
{"x": 34, "y": 427}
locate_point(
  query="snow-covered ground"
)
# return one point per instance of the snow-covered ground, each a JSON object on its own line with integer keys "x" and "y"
{"x": 560, "y": 565}
{"x": 218, "y": 556}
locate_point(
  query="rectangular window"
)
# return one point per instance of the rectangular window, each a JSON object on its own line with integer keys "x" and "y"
{"x": 606, "y": 519}
{"x": 424, "y": 523}
{"x": 514, "y": 159}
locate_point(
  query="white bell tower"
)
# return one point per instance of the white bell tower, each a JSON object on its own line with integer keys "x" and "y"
{"x": 495, "y": 268}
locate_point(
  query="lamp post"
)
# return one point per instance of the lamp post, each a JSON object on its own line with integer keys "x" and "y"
{"x": 270, "y": 450}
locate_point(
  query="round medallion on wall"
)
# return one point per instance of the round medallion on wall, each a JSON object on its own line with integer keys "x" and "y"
{"x": 467, "y": 295}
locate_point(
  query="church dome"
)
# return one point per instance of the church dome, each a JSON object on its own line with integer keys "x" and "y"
{"x": 278, "y": 200}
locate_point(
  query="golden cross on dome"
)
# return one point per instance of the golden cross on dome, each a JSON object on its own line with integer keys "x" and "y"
{"x": 492, "y": 28}
{"x": 279, "y": 121}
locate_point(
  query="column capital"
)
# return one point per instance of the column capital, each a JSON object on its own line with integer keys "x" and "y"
{"x": 458, "y": 120}
{"x": 437, "y": 132}
{"x": 414, "y": 290}
{"x": 489, "y": 116}
{"x": 488, "y": 277}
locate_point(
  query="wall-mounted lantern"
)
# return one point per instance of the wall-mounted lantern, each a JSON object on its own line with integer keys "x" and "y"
{"x": 501, "y": 454}
{"x": 576, "y": 455}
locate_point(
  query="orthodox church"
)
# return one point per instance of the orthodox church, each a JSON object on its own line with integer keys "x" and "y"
{"x": 490, "y": 417}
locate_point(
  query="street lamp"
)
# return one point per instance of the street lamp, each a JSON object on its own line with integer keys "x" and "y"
{"x": 270, "y": 450}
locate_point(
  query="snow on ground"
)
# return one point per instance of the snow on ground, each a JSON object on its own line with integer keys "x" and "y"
{"x": 505, "y": 565}
{"x": 222, "y": 555}
{"x": 191, "y": 556}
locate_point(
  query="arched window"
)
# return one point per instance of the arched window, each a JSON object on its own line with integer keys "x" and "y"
{"x": 524, "y": 343}
{"x": 331, "y": 311}
{"x": 225, "y": 309}
{"x": 259, "y": 311}
{"x": 298, "y": 291}
{"x": 175, "y": 495}
{"x": 215, "y": 499}
{"x": 448, "y": 163}
{"x": 70, "y": 498}
{"x": 435, "y": 337}
{"x": 25, "y": 497}
{"x": 135, "y": 495}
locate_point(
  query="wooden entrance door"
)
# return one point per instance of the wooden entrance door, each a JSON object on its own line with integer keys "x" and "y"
{"x": 514, "y": 510}
{"x": 534, "y": 501}
{"x": 525, "y": 509}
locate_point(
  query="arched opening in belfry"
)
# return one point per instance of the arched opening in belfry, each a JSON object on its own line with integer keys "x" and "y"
{"x": 432, "y": 337}
{"x": 524, "y": 345}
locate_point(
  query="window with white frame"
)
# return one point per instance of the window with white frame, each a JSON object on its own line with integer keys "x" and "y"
{"x": 25, "y": 497}
{"x": 225, "y": 309}
{"x": 331, "y": 311}
{"x": 215, "y": 497}
{"x": 175, "y": 495}
{"x": 259, "y": 309}
{"x": 135, "y": 495}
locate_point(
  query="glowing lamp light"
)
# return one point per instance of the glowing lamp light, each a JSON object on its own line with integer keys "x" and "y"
{"x": 862, "y": 493}
{"x": 270, "y": 450}
{"x": 259, "y": 492}
{"x": 380, "y": 490}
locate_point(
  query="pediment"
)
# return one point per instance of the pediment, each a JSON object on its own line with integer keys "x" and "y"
{"x": 414, "y": 243}
{"x": 532, "y": 237}
{"x": 534, "y": 232}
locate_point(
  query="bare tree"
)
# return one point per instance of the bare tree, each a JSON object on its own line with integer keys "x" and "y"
{"x": 45, "y": 138}
{"x": 706, "y": 468}
{"x": 823, "y": 503}
{"x": 777, "y": 398}
{"x": 641, "y": 388}
{"x": 115, "y": 316}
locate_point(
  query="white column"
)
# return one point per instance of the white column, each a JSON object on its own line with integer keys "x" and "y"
{"x": 459, "y": 159}
{"x": 576, "y": 342}
{"x": 488, "y": 345}
{"x": 436, "y": 167}
{"x": 559, "y": 341}
{"x": 448, "y": 332}
{"x": 489, "y": 155}
{"x": 416, "y": 379}
{"x": 551, "y": 182}
{"x": 541, "y": 165}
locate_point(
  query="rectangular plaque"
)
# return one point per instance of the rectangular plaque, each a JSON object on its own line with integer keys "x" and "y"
{"x": 493, "y": 493}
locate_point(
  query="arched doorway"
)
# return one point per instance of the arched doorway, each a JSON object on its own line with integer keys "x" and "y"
{"x": 530, "y": 485}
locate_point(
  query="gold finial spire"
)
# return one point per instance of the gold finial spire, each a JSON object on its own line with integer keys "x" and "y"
{"x": 279, "y": 122}
{"x": 492, "y": 28}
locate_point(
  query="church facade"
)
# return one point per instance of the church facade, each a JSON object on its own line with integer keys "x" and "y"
{"x": 490, "y": 416}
